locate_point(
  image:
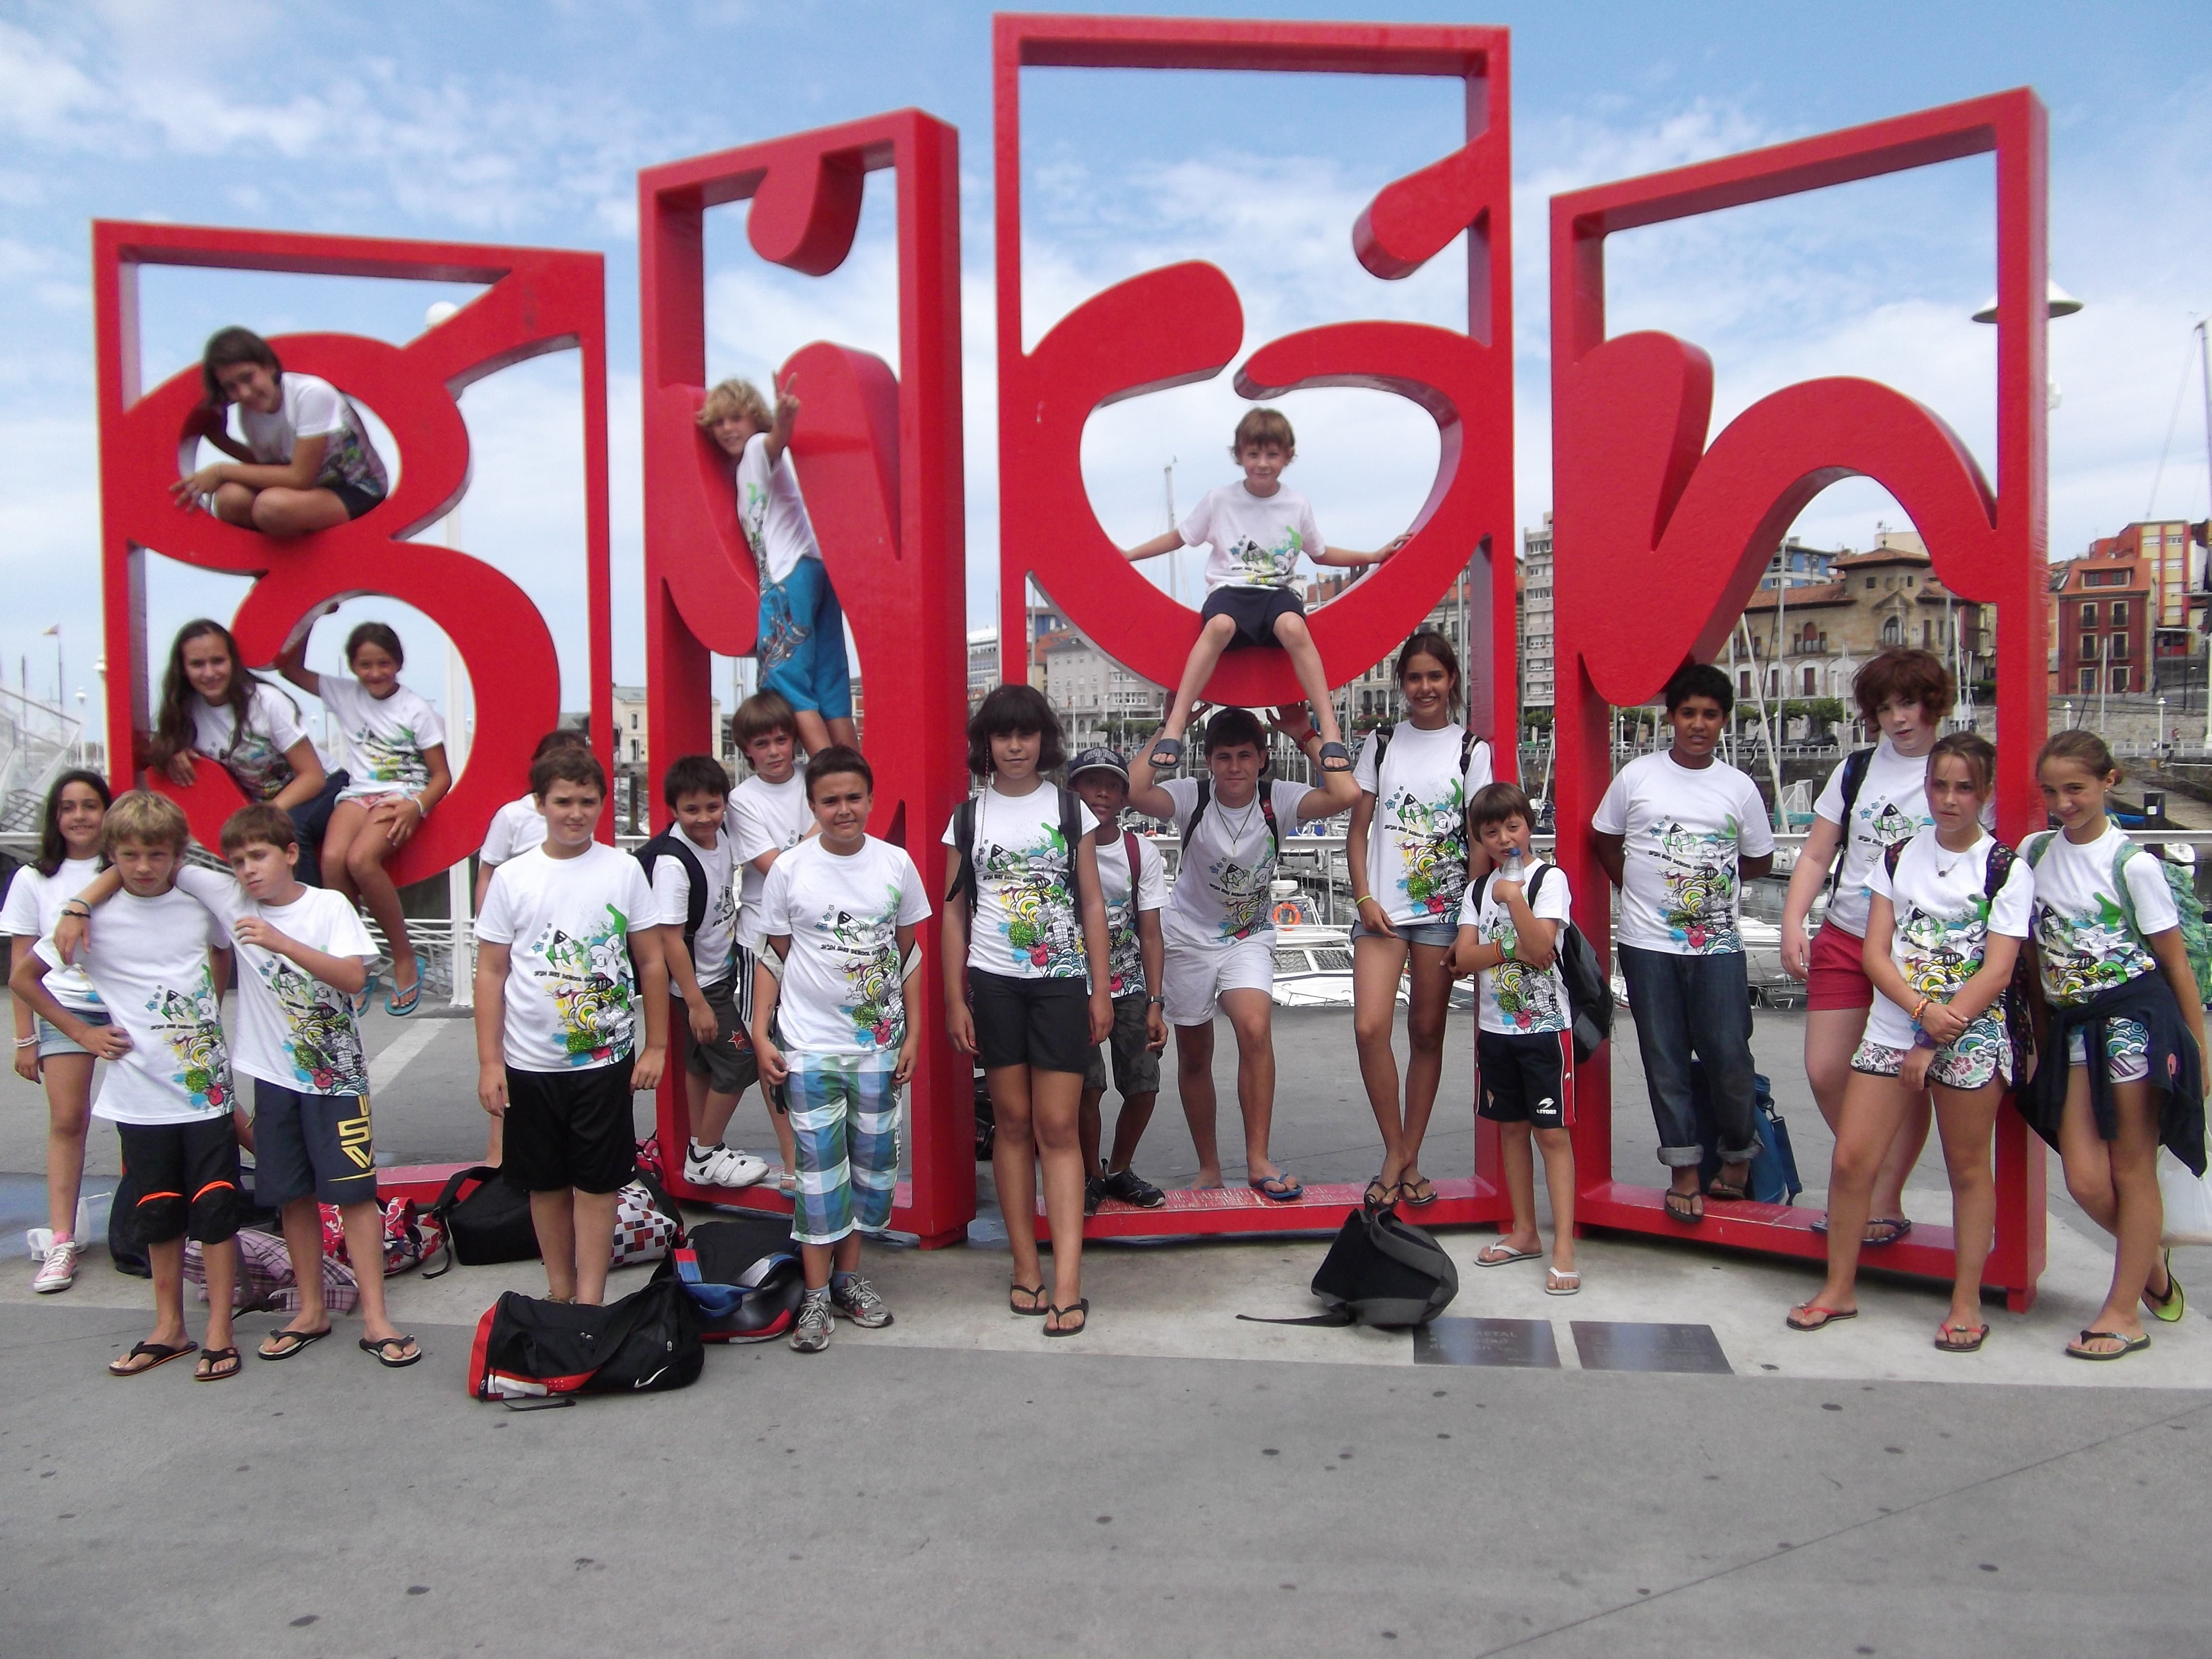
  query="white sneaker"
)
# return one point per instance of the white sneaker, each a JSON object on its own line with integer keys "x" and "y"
{"x": 722, "y": 1166}
{"x": 58, "y": 1271}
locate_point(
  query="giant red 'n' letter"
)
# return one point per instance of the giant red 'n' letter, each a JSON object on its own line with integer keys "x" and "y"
{"x": 1660, "y": 541}
{"x": 536, "y": 301}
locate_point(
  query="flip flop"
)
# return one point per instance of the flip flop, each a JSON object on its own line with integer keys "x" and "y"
{"x": 1279, "y": 1188}
{"x": 217, "y": 1365}
{"x": 1378, "y": 1193}
{"x": 1037, "y": 1291}
{"x": 1490, "y": 1258}
{"x": 1960, "y": 1338}
{"x": 1728, "y": 1191}
{"x": 1828, "y": 1316}
{"x": 381, "y": 1347}
{"x": 162, "y": 1354}
{"x": 2128, "y": 1344}
{"x": 1411, "y": 1189}
{"x": 398, "y": 1007}
{"x": 289, "y": 1342}
{"x": 2176, "y": 1303}
{"x": 1556, "y": 1282}
{"x": 1335, "y": 757}
{"x": 1081, "y": 1306}
{"x": 1679, "y": 1206}
{"x": 1165, "y": 753}
{"x": 1897, "y": 1225}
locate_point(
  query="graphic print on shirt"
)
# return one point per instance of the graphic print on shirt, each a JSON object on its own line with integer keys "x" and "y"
{"x": 1938, "y": 954}
{"x": 1700, "y": 875}
{"x": 259, "y": 765}
{"x": 1432, "y": 843}
{"x": 588, "y": 976}
{"x": 1271, "y": 566}
{"x": 396, "y": 759}
{"x": 189, "y": 1024}
{"x": 1527, "y": 998}
{"x": 1041, "y": 928}
{"x": 319, "y": 1036}
{"x": 2089, "y": 952}
{"x": 866, "y": 950}
{"x": 1242, "y": 892}
{"x": 1125, "y": 962}
{"x": 1888, "y": 825}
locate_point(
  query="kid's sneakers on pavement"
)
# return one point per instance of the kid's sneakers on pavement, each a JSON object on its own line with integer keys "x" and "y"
{"x": 811, "y": 1333}
{"x": 722, "y": 1166}
{"x": 857, "y": 1300}
{"x": 58, "y": 1271}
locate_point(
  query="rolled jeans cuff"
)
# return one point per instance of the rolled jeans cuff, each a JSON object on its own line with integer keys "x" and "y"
{"x": 1681, "y": 1158}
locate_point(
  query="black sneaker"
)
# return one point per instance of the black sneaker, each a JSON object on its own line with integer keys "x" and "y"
{"x": 1093, "y": 1189}
{"x": 1130, "y": 1187}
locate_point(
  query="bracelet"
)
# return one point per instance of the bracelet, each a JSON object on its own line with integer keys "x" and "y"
{"x": 1921, "y": 1009}
{"x": 84, "y": 914}
{"x": 1153, "y": 1002}
{"x": 26, "y": 1042}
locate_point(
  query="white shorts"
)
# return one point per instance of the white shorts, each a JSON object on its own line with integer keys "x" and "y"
{"x": 370, "y": 793}
{"x": 1197, "y": 975}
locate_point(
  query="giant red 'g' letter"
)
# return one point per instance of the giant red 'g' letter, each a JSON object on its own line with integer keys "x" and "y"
{"x": 1660, "y": 541}
{"x": 1182, "y": 323}
{"x": 537, "y": 300}
{"x": 878, "y": 457}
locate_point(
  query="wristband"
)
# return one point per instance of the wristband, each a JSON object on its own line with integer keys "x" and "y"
{"x": 1156, "y": 1002}
{"x": 1921, "y": 1009}
{"x": 26, "y": 1042}
{"x": 84, "y": 914}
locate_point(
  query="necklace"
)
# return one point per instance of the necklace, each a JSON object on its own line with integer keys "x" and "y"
{"x": 1942, "y": 869}
{"x": 1237, "y": 827}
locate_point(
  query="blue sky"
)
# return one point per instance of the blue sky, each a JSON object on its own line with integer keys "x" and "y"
{"x": 528, "y": 123}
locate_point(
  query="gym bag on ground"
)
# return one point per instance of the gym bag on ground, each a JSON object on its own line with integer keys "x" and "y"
{"x": 1380, "y": 1271}
{"x": 647, "y": 1342}
{"x": 491, "y": 1224}
{"x": 743, "y": 1278}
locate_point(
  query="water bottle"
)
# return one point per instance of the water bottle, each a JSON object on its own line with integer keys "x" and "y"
{"x": 1514, "y": 865}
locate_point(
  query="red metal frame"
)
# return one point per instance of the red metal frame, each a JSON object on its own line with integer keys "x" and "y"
{"x": 1644, "y": 507}
{"x": 879, "y": 458}
{"x": 536, "y": 301}
{"x": 1183, "y": 323}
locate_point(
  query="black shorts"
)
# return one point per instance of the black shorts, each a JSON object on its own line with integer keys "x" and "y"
{"x": 727, "y": 1063}
{"x": 311, "y": 1143}
{"x": 1527, "y": 1079}
{"x": 357, "y": 500}
{"x": 186, "y": 1178}
{"x": 1042, "y": 1024}
{"x": 1254, "y": 610}
{"x": 570, "y": 1130}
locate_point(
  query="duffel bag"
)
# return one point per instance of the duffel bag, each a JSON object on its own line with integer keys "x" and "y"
{"x": 483, "y": 1218}
{"x": 743, "y": 1278}
{"x": 647, "y": 1341}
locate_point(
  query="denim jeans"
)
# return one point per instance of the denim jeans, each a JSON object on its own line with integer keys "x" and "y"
{"x": 1685, "y": 1005}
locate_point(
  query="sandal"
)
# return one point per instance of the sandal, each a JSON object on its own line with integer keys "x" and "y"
{"x": 1281, "y": 1189}
{"x": 1683, "y": 1206}
{"x": 158, "y": 1353}
{"x": 1418, "y": 1192}
{"x": 1043, "y": 1304}
{"x": 1378, "y": 1193}
{"x": 217, "y": 1365}
{"x": 381, "y": 1347}
{"x": 1562, "y": 1281}
{"x": 289, "y": 1342}
{"x": 1897, "y": 1226}
{"x": 2128, "y": 1344}
{"x": 1164, "y": 755}
{"x": 2175, "y": 1304}
{"x": 1820, "y": 1318}
{"x": 1489, "y": 1257}
{"x": 400, "y": 1006}
{"x": 1730, "y": 1192}
{"x": 1960, "y": 1338}
{"x": 1081, "y": 1306}
{"x": 1335, "y": 757}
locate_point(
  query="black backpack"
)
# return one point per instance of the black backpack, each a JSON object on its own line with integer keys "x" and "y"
{"x": 671, "y": 843}
{"x": 1467, "y": 739}
{"x": 1380, "y": 1271}
{"x": 1265, "y": 798}
{"x": 490, "y": 1222}
{"x": 1854, "y": 771}
{"x": 743, "y": 1276}
{"x": 648, "y": 1341}
{"x": 963, "y": 840}
{"x": 1590, "y": 991}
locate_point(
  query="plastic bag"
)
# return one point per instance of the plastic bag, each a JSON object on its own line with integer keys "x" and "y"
{"x": 2188, "y": 1201}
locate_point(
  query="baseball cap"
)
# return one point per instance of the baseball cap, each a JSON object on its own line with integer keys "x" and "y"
{"x": 1099, "y": 759}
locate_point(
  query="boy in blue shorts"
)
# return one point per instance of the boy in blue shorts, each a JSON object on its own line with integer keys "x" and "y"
{"x": 802, "y": 629}
{"x": 839, "y": 912}
{"x": 159, "y": 965}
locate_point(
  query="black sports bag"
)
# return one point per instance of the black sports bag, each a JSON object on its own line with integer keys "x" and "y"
{"x": 491, "y": 1224}
{"x": 647, "y": 1342}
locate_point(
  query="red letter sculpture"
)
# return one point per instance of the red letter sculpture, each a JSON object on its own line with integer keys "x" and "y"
{"x": 536, "y": 301}
{"x": 1660, "y": 542}
{"x": 878, "y": 457}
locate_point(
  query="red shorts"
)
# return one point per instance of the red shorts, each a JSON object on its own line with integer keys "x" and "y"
{"x": 1836, "y": 979}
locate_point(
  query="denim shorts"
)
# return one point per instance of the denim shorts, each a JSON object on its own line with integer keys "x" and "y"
{"x": 53, "y": 1041}
{"x": 1442, "y": 935}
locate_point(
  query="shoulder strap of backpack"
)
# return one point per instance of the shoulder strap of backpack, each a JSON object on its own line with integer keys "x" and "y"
{"x": 1467, "y": 739}
{"x": 1197, "y": 811}
{"x": 2002, "y": 859}
{"x": 2121, "y": 854}
{"x": 1381, "y": 738}
{"x": 1268, "y": 812}
{"x": 2036, "y": 845}
{"x": 963, "y": 842}
{"x": 1536, "y": 883}
{"x": 1129, "y": 848}
{"x": 1890, "y": 854}
{"x": 1071, "y": 833}
{"x": 1854, "y": 771}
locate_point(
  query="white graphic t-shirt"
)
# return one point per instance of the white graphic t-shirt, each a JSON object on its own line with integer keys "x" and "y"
{"x": 764, "y": 817}
{"x": 571, "y": 989}
{"x": 254, "y": 756}
{"x": 1417, "y": 842}
{"x": 1026, "y": 925}
{"x": 515, "y": 829}
{"x": 1257, "y": 540}
{"x": 384, "y": 736}
{"x": 148, "y": 957}
{"x": 711, "y": 956}
{"x": 292, "y": 1030}
{"x": 1944, "y": 919}
{"x": 1892, "y": 806}
{"x": 1685, "y": 827}
{"x": 313, "y": 408}
{"x": 841, "y": 993}
{"x": 772, "y": 512}
{"x": 1125, "y": 962}
{"x": 1221, "y": 892}
{"x": 2081, "y": 925}
{"x": 34, "y": 905}
{"x": 1514, "y": 999}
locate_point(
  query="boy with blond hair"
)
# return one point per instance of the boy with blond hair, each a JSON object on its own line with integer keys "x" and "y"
{"x": 802, "y": 630}
{"x": 159, "y": 966}
{"x": 1257, "y": 529}
{"x": 768, "y": 816}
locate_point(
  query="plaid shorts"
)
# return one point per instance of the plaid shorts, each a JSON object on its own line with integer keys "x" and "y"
{"x": 845, "y": 1119}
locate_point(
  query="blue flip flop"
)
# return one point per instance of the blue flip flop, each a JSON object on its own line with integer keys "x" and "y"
{"x": 398, "y": 1007}
{"x": 1279, "y": 1188}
